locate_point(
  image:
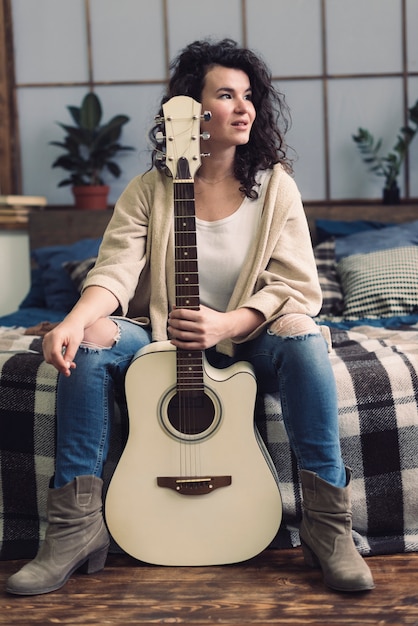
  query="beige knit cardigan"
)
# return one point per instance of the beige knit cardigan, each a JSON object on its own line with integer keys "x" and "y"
{"x": 279, "y": 275}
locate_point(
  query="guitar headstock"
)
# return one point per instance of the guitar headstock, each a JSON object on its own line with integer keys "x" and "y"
{"x": 182, "y": 133}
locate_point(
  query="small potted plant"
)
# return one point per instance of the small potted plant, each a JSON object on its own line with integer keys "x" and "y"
{"x": 90, "y": 149}
{"x": 388, "y": 166}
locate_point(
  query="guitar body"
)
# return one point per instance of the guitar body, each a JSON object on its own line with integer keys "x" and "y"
{"x": 192, "y": 495}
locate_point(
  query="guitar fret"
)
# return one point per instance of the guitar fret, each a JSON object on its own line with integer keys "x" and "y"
{"x": 186, "y": 272}
{"x": 191, "y": 264}
{"x": 187, "y": 287}
{"x": 189, "y": 298}
{"x": 189, "y": 362}
{"x": 187, "y": 258}
{"x": 187, "y": 283}
{"x": 189, "y": 355}
{"x": 190, "y": 303}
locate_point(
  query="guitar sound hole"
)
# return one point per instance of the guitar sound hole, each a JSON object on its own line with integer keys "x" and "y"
{"x": 191, "y": 413}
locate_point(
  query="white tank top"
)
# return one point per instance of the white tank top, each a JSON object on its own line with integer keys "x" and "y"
{"x": 223, "y": 246}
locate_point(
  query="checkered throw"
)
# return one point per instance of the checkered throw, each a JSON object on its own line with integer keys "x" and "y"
{"x": 27, "y": 442}
{"x": 377, "y": 380}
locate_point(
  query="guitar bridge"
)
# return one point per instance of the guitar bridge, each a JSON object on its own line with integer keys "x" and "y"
{"x": 194, "y": 486}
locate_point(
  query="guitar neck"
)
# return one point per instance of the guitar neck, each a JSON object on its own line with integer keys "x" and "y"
{"x": 189, "y": 363}
{"x": 186, "y": 266}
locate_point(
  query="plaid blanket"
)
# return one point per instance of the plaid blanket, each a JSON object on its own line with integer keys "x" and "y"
{"x": 27, "y": 442}
{"x": 377, "y": 379}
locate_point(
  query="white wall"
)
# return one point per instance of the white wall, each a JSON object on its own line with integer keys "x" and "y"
{"x": 128, "y": 46}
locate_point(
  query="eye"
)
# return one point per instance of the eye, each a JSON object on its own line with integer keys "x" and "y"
{"x": 225, "y": 95}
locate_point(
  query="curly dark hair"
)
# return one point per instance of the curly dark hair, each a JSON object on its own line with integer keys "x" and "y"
{"x": 266, "y": 145}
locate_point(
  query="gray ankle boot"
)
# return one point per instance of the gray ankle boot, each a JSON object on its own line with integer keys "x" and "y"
{"x": 76, "y": 536}
{"x": 325, "y": 534}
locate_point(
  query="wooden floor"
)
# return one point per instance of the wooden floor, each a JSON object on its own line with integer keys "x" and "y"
{"x": 273, "y": 588}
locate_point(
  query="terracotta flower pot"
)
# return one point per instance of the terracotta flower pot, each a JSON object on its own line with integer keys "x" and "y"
{"x": 91, "y": 196}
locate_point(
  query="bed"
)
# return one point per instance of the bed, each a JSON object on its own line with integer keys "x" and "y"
{"x": 367, "y": 258}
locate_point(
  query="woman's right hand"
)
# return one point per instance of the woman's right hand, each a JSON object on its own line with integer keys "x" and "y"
{"x": 60, "y": 345}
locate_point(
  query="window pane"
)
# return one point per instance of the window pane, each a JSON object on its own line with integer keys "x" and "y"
{"x": 364, "y": 37}
{"x": 288, "y": 34}
{"x": 413, "y": 149}
{"x": 375, "y": 105}
{"x": 306, "y": 135}
{"x": 189, "y": 20}
{"x": 411, "y": 29}
{"x": 50, "y": 41}
{"x": 127, "y": 40}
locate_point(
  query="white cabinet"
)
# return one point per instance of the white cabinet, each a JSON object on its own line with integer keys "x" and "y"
{"x": 14, "y": 269}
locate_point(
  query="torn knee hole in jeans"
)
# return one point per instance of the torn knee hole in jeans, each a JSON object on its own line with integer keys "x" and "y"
{"x": 92, "y": 347}
{"x": 95, "y": 347}
{"x": 294, "y": 325}
{"x": 297, "y": 325}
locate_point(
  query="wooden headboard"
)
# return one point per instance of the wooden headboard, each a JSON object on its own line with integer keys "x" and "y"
{"x": 49, "y": 227}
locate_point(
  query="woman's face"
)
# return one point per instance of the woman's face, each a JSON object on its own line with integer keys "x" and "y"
{"x": 227, "y": 94}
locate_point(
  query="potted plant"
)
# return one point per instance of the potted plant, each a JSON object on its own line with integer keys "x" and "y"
{"x": 388, "y": 166}
{"x": 90, "y": 148}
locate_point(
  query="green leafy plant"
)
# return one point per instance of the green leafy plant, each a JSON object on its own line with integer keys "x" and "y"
{"x": 89, "y": 146}
{"x": 388, "y": 166}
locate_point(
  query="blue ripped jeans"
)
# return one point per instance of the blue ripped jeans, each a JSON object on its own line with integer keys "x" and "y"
{"x": 297, "y": 367}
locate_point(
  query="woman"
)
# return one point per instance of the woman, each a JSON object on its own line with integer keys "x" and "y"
{"x": 258, "y": 291}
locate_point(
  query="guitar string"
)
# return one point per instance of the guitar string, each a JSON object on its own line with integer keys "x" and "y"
{"x": 189, "y": 450}
{"x": 180, "y": 408}
{"x": 188, "y": 411}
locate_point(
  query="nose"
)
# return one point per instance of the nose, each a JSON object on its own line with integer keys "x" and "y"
{"x": 242, "y": 105}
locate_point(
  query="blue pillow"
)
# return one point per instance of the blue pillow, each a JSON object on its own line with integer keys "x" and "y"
{"x": 60, "y": 293}
{"x": 325, "y": 229}
{"x": 399, "y": 236}
{"x": 31, "y": 316}
{"x": 36, "y": 295}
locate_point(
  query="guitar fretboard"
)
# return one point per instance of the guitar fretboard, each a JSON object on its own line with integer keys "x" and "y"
{"x": 189, "y": 363}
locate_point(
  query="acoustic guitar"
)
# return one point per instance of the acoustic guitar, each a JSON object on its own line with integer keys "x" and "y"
{"x": 195, "y": 484}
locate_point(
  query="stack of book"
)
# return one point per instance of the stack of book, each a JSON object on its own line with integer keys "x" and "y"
{"x": 15, "y": 209}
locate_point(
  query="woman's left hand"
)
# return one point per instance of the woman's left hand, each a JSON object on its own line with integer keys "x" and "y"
{"x": 202, "y": 329}
{"x": 197, "y": 330}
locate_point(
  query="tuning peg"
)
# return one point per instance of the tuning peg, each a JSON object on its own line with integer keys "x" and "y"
{"x": 159, "y": 137}
{"x": 205, "y": 135}
{"x": 205, "y": 154}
